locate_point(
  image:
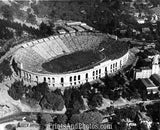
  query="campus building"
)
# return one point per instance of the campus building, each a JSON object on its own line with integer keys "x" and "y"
{"x": 28, "y": 59}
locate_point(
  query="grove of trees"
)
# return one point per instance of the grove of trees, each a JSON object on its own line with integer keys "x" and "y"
{"x": 39, "y": 94}
{"x": 5, "y": 70}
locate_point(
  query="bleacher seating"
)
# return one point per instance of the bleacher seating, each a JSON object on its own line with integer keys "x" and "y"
{"x": 84, "y": 40}
{"x": 29, "y": 58}
{"x": 34, "y": 55}
{"x": 71, "y": 42}
{"x": 58, "y": 50}
{"x": 37, "y": 52}
{"x": 49, "y": 44}
{"x": 58, "y": 43}
{"x": 80, "y": 47}
{"x": 67, "y": 43}
{"x": 41, "y": 51}
{"x": 63, "y": 46}
{"x": 44, "y": 45}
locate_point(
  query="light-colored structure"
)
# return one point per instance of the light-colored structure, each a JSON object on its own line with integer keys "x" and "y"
{"x": 30, "y": 57}
{"x": 75, "y": 78}
{"x": 149, "y": 85}
{"x": 146, "y": 72}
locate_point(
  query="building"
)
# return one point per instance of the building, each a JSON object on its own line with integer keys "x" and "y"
{"x": 145, "y": 30}
{"x": 23, "y": 125}
{"x": 147, "y": 71}
{"x": 156, "y": 79}
{"x": 156, "y": 14}
{"x": 143, "y": 72}
{"x": 154, "y": 18}
{"x": 28, "y": 59}
{"x": 141, "y": 20}
{"x": 149, "y": 85}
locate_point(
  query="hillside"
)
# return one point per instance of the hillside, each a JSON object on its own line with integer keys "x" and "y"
{"x": 104, "y": 15}
{"x": 93, "y": 12}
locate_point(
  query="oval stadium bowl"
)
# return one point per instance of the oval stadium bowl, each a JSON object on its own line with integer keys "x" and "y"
{"x": 70, "y": 59}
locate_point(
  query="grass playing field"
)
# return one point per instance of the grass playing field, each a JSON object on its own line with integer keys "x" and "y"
{"x": 73, "y": 61}
{"x": 111, "y": 49}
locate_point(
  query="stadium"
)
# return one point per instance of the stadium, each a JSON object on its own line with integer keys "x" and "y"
{"x": 76, "y": 55}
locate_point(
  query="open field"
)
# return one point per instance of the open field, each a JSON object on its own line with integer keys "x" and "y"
{"x": 72, "y": 61}
{"x": 85, "y": 59}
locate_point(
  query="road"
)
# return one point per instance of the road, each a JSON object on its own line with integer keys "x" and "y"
{"x": 19, "y": 116}
{"x": 136, "y": 103}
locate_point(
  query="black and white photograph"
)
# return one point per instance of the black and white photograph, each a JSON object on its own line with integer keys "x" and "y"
{"x": 79, "y": 64}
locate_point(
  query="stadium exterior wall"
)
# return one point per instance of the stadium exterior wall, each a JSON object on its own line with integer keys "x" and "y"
{"x": 75, "y": 78}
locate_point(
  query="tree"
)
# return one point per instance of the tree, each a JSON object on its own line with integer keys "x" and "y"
{"x": 92, "y": 117}
{"x": 36, "y": 95}
{"x": 119, "y": 78}
{"x": 96, "y": 100}
{"x": 77, "y": 106}
{"x": 59, "y": 104}
{"x": 5, "y": 69}
{"x": 61, "y": 119}
{"x": 47, "y": 117}
{"x": 7, "y": 12}
{"x": 155, "y": 2}
{"x": 75, "y": 118}
{"x": 52, "y": 14}
{"x": 52, "y": 101}
{"x": 88, "y": 118}
{"x": 144, "y": 94}
{"x": 10, "y": 127}
{"x": 44, "y": 104}
{"x": 31, "y": 19}
{"x": 85, "y": 90}
{"x": 76, "y": 101}
{"x": 123, "y": 126}
{"x": 19, "y": 33}
{"x": 45, "y": 29}
{"x": 67, "y": 97}
{"x": 143, "y": 126}
{"x": 42, "y": 88}
{"x": 17, "y": 90}
{"x": 129, "y": 113}
{"x": 42, "y": 122}
{"x": 155, "y": 126}
{"x": 73, "y": 100}
{"x": 58, "y": 92}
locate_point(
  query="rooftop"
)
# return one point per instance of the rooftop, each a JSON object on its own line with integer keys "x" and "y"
{"x": 147, "y": 82}
{"x": 156, "y": 79}
{"x": 143, "y": 64}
